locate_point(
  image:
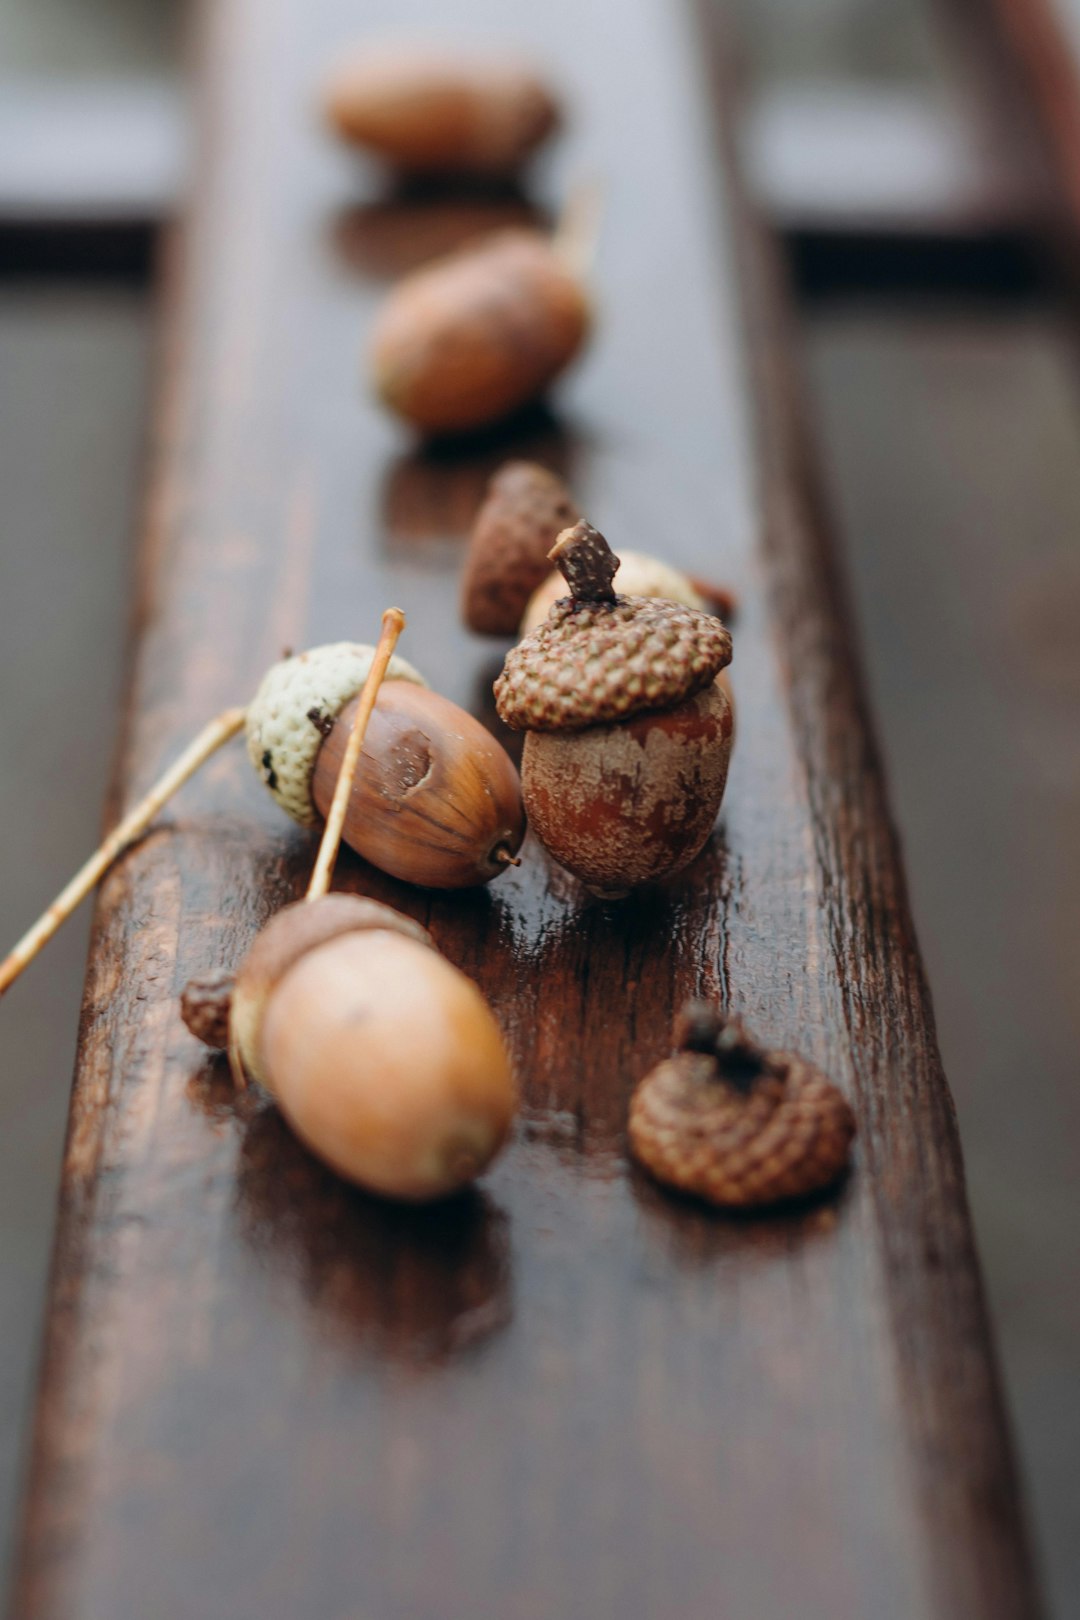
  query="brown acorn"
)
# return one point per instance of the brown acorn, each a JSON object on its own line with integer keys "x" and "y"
{"x": 436, "y": 800}
{"x": 385, "y": 1059}
{"x": 629, "y": 731}
{"x": 475, "y": 336}
{"x": 729, "y": 1121}
{"x": 525, "y": 510}
{"x": 425, "y": 112}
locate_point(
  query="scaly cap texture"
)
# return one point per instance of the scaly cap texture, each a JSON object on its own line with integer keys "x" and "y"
{"x": 599, "y": 657}
{"x": 738, "y": 1125}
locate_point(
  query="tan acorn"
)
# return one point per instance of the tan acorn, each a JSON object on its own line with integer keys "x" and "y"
{"x": 731, "y": 1122}
{"x": 525, "y": 510}
{"x": 477, "y": 335}
{"x": 384, "y": 1059}
{"x": 629, "y": 731}
{"x": 427, "y": 112}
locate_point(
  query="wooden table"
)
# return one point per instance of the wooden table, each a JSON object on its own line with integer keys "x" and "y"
{"x": 568, "y": 1394}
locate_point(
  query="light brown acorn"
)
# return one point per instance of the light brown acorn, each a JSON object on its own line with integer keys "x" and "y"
{"x": 477, "y": 335}
{"x": 385, "y": 1060}
{"x": 428, "y": 112}
{"x": 734, "y": 1123}
{"x": 629, "y": 731}
{"x": 524, "y": 512}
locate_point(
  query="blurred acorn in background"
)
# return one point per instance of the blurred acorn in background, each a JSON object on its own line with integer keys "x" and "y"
{"x": 425, "y": 111}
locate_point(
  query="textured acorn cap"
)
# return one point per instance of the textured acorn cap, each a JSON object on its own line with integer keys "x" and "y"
{"x": 525, "y": 509}
{"x": 590, "y": 663}
{"x": 738, "y": 1125}
{"x": 298, "y": 701}
{"x": 288, "y": 936}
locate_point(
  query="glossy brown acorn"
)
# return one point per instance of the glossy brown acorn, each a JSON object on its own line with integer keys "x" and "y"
{"x": 424, "y": 111}
{"x": 436, "y": 800}
{"x": 477, "y": 335}
{"x": 629, "y": 729}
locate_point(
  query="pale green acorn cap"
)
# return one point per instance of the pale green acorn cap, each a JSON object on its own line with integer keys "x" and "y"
{"x": 286, "y": 720}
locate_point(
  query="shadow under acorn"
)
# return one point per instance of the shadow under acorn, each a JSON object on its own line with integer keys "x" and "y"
{"x": 417, "y": 1285}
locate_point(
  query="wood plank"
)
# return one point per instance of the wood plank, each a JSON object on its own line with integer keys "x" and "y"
{"x": 1045, "y": 36}
{"x": 264, "y": 1394}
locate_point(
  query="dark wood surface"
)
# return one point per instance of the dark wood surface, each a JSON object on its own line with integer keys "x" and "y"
{"x": 265, "y": 1394}
{"x": 1045, "y": 35}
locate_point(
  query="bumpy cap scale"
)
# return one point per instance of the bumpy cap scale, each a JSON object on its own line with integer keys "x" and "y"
{"x": 295, "y": 707}
{"x": 600, "y": 657}
{"x": 736, "y": 1124}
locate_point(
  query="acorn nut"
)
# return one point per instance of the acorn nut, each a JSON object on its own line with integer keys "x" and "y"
{"x": 731, "y": 1122}
{"x": 436, "y": 800}
{"x": 629, "y": 731}
{"x": 474, "y": 336}
{"x": 385, "y": 1060}
{"x": 424, "y": 111}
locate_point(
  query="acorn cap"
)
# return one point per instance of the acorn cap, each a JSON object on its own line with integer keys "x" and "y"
{"x": 290, "y": 934}
{"x": 525, "y": 510}
{"x": 599, "y": 657}
{"x": 736, "y": 1124}
{"x": 294, "y": 708}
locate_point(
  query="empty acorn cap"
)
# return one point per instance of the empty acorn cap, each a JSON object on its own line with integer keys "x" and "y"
{"x": 525, "y": 509}
{"x": 599, "y": 657}
{"x": 289, "y": 935}
{"x": 729, "y": 1121}
{"x": 297, "y": 702}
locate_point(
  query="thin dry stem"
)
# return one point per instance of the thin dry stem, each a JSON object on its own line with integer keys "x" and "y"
{"x": 393, "y": 623}
{"x": 209, "y": 740}
{"x": 577, "y": 233}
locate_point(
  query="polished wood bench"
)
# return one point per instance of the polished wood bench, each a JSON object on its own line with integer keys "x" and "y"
{"x": 568, "y": 1394}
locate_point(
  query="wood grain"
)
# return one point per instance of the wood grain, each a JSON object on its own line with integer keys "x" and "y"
{"x": 264, "y": 1394}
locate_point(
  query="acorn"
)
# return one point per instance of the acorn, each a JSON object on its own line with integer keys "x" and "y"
{"x": 732, "y": 1122}
{"x": 477, "y": 335}
{"x": 429, "y": 112}
{"x": 628, "y": 729}
{"x": 524, "y": 512}
{"x": 436, "y": 801}
{"x": 385, "y": 1060}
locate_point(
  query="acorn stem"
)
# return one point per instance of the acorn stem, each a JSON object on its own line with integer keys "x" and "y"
{"x": 577, "y": 232}
{"x": 209, "y": 740}
{"x": 393, "y": 623}
{"x": 586, "y": 562}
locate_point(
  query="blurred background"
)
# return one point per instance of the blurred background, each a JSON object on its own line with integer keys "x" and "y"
{"x": 896, "y": 151}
